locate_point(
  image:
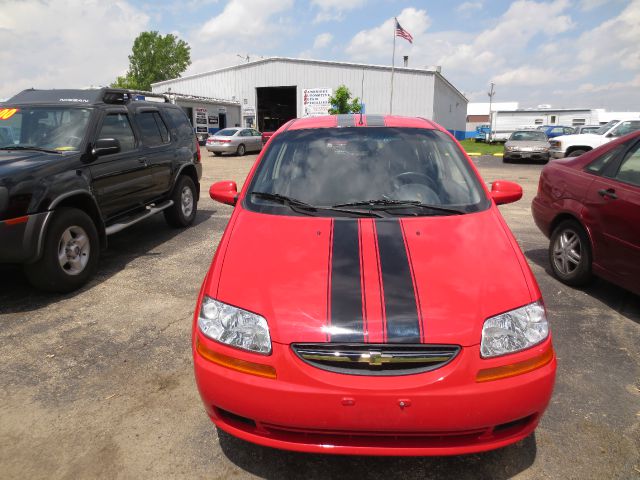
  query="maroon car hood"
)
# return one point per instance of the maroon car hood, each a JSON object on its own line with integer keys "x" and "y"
{"x": 420, "y": 279}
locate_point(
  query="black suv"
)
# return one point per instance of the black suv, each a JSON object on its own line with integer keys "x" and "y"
{"x": 79, "y": 165}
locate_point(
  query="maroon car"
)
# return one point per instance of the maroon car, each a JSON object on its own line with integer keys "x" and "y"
{"x": 589, "y": 207}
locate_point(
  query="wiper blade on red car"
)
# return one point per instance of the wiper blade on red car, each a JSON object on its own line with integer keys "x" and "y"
{"x": 388, "y": 205}
{"x": 303, "y": 207}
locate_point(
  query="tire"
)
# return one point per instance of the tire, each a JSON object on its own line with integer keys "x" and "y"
{"x": 241, "y": 150}
{"x": 570, "y": 253}
{"x": 185, "y": 203}
{"x": 69, "y": 255}
{"x": 576, "y": 153}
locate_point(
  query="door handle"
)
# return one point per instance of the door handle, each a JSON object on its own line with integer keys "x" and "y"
{"x": 142, "y": 160}
{"x": 609, "y": 192}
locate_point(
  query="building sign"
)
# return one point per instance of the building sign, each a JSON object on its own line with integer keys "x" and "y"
{"x": 202, "y": 130}
{"x": 315, "y": 101}
{"x": 249, "y": 111}
{"x": 213, "y": 120}
{"x": 201, "y": 110}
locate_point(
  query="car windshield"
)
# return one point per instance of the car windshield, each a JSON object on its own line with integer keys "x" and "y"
{"x": 528, "y": 136}
{"x": 606, "y": 127}
{"x": 227, "y": 132}
{"x": 53, "y": 128}
{"x": 360, "y": 167}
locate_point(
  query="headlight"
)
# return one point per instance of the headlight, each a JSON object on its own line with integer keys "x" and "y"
{"x": 234, "y": 326}
{"x": 515, "y": 330}
{"x": 509, "y": 147}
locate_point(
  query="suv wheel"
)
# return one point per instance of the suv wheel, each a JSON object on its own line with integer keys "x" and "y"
{"x": 185, "y": 203}
{"x": 241, "y": 150}
{"x": 69, "y": 255}
{"x": 576, "y": 153}
{"x": 570, "y": 253}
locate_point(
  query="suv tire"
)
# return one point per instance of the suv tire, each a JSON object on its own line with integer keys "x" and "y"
{"x": 185, "y": 203}
{"x": 576, "y": 153}
{"x": 69, "y": 255}
{"x": 570, "y": 253}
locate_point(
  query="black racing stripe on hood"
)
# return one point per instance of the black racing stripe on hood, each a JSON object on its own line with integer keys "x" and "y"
{"x": 403, "y": 324}
{"x": 346, "y": 290}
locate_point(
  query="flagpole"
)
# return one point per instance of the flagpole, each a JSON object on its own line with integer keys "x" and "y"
{"x": 393, "y": 64}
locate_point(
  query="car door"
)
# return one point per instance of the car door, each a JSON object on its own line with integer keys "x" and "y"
{"x": 613, "y": 207}
{"x": 157, "y": 149}
{"x": 247, "y": 139}
{"x": 119, "y": 180}
{"x": 257, "y": 136}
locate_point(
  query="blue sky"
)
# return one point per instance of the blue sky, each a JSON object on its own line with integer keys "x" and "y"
{"x": 560, "y": 52}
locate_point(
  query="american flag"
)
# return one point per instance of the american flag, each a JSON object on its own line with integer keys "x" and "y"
{"x": 401, "y": 32}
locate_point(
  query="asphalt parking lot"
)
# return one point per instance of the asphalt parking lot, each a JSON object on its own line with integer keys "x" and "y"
{"x": 99, "y": 383}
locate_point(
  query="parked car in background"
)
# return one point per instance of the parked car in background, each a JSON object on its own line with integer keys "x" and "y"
{"x": 266, "y": 136}
{"x": 234, "y": 140}
{"x": 576, "y": 145}
{"x": 349, "y": 310}
{"x": 579, "y": 130}
{"x": 552, "y": 131}
{"x": 85, "y": 164}
{"x": 483, "y": 133}
{"x": 589, "y": 207}
{"x": 526, "y": 145}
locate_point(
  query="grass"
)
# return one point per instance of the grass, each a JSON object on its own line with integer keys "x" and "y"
{"x": 482, "y": 148}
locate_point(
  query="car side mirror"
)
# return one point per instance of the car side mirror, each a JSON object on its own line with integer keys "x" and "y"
{"x": 503, "y": 191}
{"x": 224, "y": 192}
{"x": 106, "y": 146}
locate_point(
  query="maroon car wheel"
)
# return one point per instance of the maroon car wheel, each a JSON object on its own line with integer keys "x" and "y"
{"x": 570, "y": 253}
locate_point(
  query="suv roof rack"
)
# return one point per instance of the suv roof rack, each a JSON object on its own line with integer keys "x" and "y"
{"x": 123, "y": 96}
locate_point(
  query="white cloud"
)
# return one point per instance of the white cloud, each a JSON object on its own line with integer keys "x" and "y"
{"x": 591, "y": 88}
{"x": 468, "y": 7}
{"x": 377, "y": 42}
{"x": 245, "y": 19}
{"x": 66, "y": 43}
{"x": 333, "y": 10}
{"x": 322, "y": 40}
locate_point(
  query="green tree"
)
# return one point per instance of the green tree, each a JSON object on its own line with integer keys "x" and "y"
{"x": 342, "y": 103}
{"x": 154, "y": 58}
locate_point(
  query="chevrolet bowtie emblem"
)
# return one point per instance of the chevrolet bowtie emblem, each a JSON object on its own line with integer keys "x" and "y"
{"x": 375, "y": 358}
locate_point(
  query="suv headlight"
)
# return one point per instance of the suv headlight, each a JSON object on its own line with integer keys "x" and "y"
{"x": 233, "y": 326}
{"x": 515, "y": 330}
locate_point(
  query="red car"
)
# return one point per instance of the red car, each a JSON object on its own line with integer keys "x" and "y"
{"x": 589, "y": 206}
{"x": 367, "y": 297}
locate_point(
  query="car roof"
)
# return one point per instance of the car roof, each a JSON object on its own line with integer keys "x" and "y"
{"x": 86, "y": 97}
{"x": 357, "y": 120}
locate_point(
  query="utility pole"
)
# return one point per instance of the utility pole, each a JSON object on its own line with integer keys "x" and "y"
{"x": 491, "y": 93}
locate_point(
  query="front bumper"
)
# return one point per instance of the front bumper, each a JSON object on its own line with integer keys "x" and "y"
{"x": 222, "y": 148}
{"x": 557, "y": 153}
{"x": 517, "y": 155}
{"x": 21, "y": 238}
{"x": 443, "y": 412}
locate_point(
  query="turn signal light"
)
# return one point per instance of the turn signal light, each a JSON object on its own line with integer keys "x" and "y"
{"x": 259, "y": 369}
{"x": 17, "y": 220}
{"x": 505, "y": 371}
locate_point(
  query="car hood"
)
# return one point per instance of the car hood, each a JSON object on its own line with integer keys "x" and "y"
{"x": 12, "y": 161}
{"x": 527, "y": 143}
{"x": 583, "y": 138}
{"x": 420, "y": 279}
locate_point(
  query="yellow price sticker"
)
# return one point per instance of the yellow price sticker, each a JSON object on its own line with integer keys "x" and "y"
{"x": 7, "y": 113}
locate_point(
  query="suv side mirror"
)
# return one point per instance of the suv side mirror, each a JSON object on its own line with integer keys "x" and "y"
{"x": 106, "y": 146}
{"x": 224, "y": 192}
{"x": 503, "y": 191}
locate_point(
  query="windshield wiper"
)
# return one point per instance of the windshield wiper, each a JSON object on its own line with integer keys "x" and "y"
{"x": 30, "y": 147}
{"x": 302, "y": 207}
{"x": 388, "y": 204}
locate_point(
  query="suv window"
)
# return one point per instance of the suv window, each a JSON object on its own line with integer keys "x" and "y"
{"x": 154, "y": 130}
{"x": 630, "y": 169}
{"x": 180, "y": 122}
{"x": 626, "y": 127}
{"x": 117, "y": 125}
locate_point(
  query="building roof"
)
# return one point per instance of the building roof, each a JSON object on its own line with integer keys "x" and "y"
{"x": 198, "y": 99}
{"x": 546, "y": 110}
{"x": 426, "y": 71}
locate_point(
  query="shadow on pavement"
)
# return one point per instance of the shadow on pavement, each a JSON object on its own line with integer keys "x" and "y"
{"x": 17, "y": 295}
{"x": 617, "y": 298}
{"x": 271, "y": 463}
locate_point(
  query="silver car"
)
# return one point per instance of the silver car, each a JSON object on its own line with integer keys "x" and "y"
{"x": 526, "y": 145}
{"x": 234, "y": 140}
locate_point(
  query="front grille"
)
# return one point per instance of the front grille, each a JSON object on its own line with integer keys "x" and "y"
{"x": 375, "y": 359}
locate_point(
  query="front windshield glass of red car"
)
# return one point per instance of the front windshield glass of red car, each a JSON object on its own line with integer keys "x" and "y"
{"x": 327, "y": 167}
{"x": 55, "y": 128}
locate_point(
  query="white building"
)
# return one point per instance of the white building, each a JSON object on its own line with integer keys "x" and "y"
{"x": 273, "y": 90}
